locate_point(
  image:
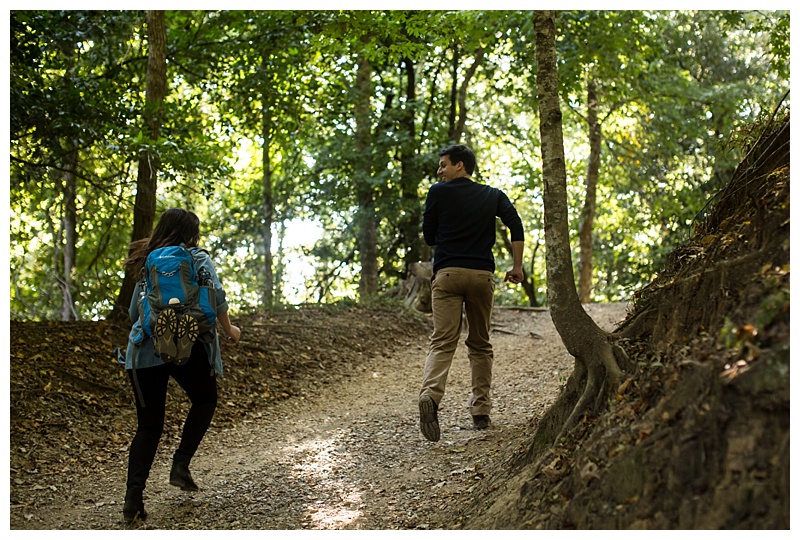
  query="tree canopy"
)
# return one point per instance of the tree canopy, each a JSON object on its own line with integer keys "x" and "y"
{"x": 275, "y": 119}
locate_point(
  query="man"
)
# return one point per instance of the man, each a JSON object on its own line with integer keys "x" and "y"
{"x": 459, "y": 220}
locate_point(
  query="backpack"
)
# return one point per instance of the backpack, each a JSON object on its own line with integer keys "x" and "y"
{"x": 177, "y": 304}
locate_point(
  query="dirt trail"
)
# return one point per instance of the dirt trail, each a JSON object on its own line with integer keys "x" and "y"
{"x": 351, "y": 457}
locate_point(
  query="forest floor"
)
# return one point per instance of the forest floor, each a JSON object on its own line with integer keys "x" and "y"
{"x": 317, "y": 424}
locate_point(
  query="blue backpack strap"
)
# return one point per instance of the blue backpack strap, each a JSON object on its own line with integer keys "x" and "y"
{"x": 193, "y": 263}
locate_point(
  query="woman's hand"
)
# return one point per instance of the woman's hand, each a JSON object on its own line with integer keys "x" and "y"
{"x": 234, "y": 334}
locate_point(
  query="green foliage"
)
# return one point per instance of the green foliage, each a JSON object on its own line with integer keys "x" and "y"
{"x": 69, "y": 89}
{"x": 262, "y": 102}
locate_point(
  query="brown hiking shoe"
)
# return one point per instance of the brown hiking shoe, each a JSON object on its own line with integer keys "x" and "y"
{"x": 429, "y": 418}
{"x": 481, "y": 421}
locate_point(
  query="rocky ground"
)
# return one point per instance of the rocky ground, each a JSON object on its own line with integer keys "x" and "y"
{"x": 326, "y": 438}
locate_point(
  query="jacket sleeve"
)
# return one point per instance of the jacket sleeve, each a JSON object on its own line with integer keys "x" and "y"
{"x": 133, "y": 309}
{"x": 203, "y": 260}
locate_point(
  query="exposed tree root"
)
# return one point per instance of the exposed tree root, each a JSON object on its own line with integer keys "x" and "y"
{"x": 603, "y": 374}
{"x": 597, "y": 373}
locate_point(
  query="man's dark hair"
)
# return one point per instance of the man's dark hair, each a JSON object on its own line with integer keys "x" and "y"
{"x": 459, "y": 152}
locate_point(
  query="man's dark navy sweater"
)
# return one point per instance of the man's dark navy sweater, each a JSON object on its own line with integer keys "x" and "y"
{"x": 459, "y": 220}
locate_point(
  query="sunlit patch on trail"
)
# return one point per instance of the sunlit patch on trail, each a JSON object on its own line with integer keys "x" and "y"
{"x": 330, "y": 517}
{"x": 321, "y": 464}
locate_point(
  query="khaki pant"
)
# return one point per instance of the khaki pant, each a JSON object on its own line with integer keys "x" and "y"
{"x": 451, "y": 289}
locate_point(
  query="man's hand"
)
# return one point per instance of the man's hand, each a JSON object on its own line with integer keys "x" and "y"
{"x": 515, "y": 276}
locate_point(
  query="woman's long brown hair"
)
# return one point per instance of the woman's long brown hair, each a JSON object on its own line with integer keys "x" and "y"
{"x": 176, "y": 226}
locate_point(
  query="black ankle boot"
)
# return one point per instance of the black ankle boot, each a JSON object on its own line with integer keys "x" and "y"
{"x": 134, "y": 506}
{"x": 180, "y": 475}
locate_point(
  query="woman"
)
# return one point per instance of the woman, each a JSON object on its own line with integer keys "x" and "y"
{"x": 197, "y": 376}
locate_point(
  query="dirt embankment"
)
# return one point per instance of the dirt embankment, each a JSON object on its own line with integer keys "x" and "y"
{"x": 698, "y": 435}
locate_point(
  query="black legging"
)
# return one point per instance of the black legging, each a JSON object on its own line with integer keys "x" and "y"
{"x": 198, "y": 380}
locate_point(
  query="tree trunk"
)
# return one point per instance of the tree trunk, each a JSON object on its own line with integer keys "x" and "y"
{"x": 528, "y": 281}
{"x": 69, "y": 225}
{"x": 410, "y": 174}
{"x": 590, "y": 203}
{"x": 458, "y": 133}
{"x": 144, "y": 208}
{"x": 367, "y": 222}
{"x": 596, "y": 369}
{"x": 268, "y": 297}
{"x": 68, "y": 181}
{"x": 534, "y": 302}
{"x": 459, "y": 97}
{"x": 451, "y": 113}
{"x": 279, "y": 265}
{"x": 416, "y": 288}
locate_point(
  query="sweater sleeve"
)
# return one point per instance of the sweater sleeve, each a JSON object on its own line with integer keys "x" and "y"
{"x": 510, "y": 218}
{"x": 430, "y": 217}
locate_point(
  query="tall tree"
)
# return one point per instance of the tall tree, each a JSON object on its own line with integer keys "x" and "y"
{"x": 144, "y": 208}
{"x": 457, "y": 118}
{"x": 411, "y": 171}
{"x": 596, "y": 370}
{"x": 268, "y": 199}
{"x": 596, "y": 47}
{"x": 590, "y": 201}
{"x": 258, "y": 62}
{"x": 366, "y": 217}
{"x": 69, "y": 217}
{"x": 69, "y": 226}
